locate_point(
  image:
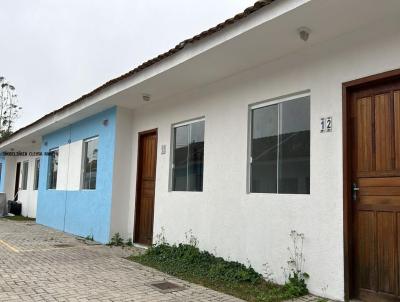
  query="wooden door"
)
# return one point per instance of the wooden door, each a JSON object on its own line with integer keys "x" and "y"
{"x": 375, "y": 158}
{"x": 145, "y": 187}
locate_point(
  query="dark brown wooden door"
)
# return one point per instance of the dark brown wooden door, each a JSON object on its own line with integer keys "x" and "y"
{"x": 145, "y": 188}
{"x": 375, "y": 148}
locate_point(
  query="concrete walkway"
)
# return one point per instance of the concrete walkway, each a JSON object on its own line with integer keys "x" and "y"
{"x": 40, "y": 264}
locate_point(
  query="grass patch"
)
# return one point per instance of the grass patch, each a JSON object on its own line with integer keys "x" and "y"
{"x": 19, "y": 218}
{"x": 187, "y": 262}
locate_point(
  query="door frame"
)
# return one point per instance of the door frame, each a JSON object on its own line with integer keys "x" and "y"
{"x": 347, "y": 89}
{"x": 138, "y": 177}
{"x": 17, "y": 180}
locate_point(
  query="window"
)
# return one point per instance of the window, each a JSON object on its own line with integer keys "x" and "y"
{"x": 280, "y": 147}
{"x": 188, "y": 157}
{"x": 25, "y": 167}
{"x": 1, "y": 170}
{"x": 90, "y": 151}
{"x": 53, "y": 168}
{"x": 36, "y": 179}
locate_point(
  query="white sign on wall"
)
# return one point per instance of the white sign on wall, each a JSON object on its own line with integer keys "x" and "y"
{"x": 326, "y": 124}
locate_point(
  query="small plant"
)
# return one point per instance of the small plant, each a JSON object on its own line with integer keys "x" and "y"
{"x": 116, "y": 240}
{"x": 323, "y": 298}
{"x": 296, "y": 284}
{"x": 89, "y": 237}
{"x": 160, "y": 237}
{"x": 191, "y": 239}
{"x": 267, "y": 274}
{"x": 214, "y": 251}
{"x": 129, "y": 242}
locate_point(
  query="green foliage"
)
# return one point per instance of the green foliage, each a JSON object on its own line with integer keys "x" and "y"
{"x": 89, "y": 237}
{"x": 19, "y": 218}
{"x": 188, "y": 262}
{"x": 116, "y": 240}
{"x": 5, "y": 134}
{"x": 296, "y": 285}
{"x": 9, "y": 109}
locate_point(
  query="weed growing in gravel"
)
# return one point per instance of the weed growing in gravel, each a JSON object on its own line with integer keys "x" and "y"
{"x": 116, "y": 240}
{"x": 89, "y": 237}
{"x": 296, "y": 279}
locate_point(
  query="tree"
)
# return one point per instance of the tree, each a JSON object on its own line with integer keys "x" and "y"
{"x": 9, "y": 109}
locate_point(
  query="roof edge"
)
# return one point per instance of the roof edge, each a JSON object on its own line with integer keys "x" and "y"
{"x": 179, "y": 47}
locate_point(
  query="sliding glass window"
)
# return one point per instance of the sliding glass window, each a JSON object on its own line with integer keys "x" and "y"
{"x": 188, "y": 157}
{"x": 90, "y": 151}
{"x": 53, "y": 169}
{"x": 25, "y": 169}
{"x": 36, "y": 178}
{"x": 280, "y": 147}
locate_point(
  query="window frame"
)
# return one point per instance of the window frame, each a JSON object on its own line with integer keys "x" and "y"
{"x": 25, "y": 174}
{"x": 48, "y": 168}
{"x": 267, "y": 103}
{"x": 36, "y": 175}
{"x": 86, "y": 140}
{"x": 172, "y": 152}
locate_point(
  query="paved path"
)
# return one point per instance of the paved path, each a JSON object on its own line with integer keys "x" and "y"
{"x": 41, "y": 264}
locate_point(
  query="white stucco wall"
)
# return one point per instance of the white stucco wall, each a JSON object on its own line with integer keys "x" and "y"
{"x": 28, "y": 197}
{"x": 255, "y": 228}
{"x": 123, "y": 161}
{"x": 9, "y": 181}
{"x": 62, "y": 169}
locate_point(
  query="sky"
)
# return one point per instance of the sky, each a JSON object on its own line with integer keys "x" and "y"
{"x": 54, "y": 51}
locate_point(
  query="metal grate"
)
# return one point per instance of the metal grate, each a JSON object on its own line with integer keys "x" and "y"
{"x": 61, "y": 245}
{"x": 166, "y": 287}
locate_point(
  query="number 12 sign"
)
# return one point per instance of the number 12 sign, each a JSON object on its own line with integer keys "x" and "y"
{"x": 326, "y": 124}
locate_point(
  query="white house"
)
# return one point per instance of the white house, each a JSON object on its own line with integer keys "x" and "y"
{"x": 285, "y": 117}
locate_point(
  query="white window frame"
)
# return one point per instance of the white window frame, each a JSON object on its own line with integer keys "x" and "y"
{"x": 36, "y": 176}
{"x": 83, "y": 162}
{"x": 25, "y": 184}
{"x": 262, "y": 104}
{"x": 171, "y": 160}
{"x": 47, "y": 172}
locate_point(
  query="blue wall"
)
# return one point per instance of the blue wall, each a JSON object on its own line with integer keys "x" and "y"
{"x": 84, "y": 212}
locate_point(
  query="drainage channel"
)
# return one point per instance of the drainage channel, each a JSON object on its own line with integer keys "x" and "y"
{"x": 166, "y": 287}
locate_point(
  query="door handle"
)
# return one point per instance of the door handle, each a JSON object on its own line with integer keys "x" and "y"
{"x": 354, "y": 190}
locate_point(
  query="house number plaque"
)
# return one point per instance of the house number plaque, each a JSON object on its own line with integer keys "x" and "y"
{"x": 326, "y": 124}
